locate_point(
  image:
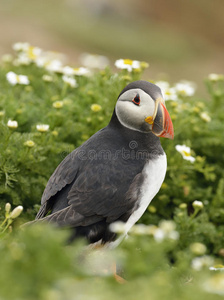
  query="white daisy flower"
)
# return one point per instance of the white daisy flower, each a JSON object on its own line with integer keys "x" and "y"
{"x": 23, "y": 79}
{"x": 12, "y": 124}
{"x": 170, "y": 94}
{"x": 69, "y": 80}
{"x": 22, "y": 59}
{"x": 68, "y": 71}
{"x": 214, "y": 77}
{"x": 81, "y": 71}
{"x": 159, "y": 235}
{"x": 167, "y": 226}
{"x": 127, "y": 64}
{"x": 165, "y": 230}
{"x": 42, "y": 127}
{"x": 34, "y": 52}
{"x": 163, "y": 85}
{"x": 54, "y": 66}
{"x": 205, "y": 117}
{"x": 52, "y": 61}
{"x": 42, "y": 61}
{"x": 185, "y": 152}
{"x": 215, "y": 284}
{"x": 94, "y": 61}
{"x": 47, "y": 78}
{"x": 202, "y": 262}
{"x": 185, "y": 88}
{"x": 140, "y": 229}
{"x": 13, "y": 78}
{"x": 217, "y": 268}
{"x": 118, "y": 227}
{"x": 21, "y": 46}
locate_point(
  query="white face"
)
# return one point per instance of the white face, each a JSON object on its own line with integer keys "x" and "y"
{"x": 132, "y": 115}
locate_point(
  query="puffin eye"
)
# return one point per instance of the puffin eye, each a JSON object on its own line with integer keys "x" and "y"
{"x": 136, "y": 100}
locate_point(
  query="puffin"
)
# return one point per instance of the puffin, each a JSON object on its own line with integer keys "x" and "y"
{"x": 115, "y": 174}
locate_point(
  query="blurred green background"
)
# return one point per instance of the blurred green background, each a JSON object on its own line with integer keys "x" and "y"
{"x": 180, "y": 39}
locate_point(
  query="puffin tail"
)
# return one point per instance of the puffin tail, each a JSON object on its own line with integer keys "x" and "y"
{"x": 42, "y": 211}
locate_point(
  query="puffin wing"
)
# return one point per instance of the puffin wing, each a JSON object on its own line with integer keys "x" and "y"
{"x": 63, "y": 175}
{"x": 100, "y": 190}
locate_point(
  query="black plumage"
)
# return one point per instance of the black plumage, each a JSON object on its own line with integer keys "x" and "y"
{"x": 99, "y": 182}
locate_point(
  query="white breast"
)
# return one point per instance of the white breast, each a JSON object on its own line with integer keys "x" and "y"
{"x": 154, "y": 173}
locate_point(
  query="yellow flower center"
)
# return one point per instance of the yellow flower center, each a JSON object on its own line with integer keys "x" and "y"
{"x": 58, "y": 104}
{"x": 30, "y": 53}
{"x": 196, "y": 109}
{"x": 96, "y": 107}
{"x": 167, "y": 92}
{"x": 186, "y": 153}
{"x": 144, "y": 65}
{"x": 128, "y": 62}
{"x": 29, "y": 143}
{"x": 183, "y": 92}
{"x": 55, "y": 133}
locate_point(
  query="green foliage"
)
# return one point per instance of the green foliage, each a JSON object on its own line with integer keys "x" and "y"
{"x": 32, "y": 261}
{"x": 37, "y": 263}
{"x": 25, "y": 170}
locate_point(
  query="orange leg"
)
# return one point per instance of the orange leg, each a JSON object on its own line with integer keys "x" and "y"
{"x": 117, "y": 277}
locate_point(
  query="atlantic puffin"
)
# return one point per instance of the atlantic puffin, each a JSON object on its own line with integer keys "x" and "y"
{"x": 116, "y": 173}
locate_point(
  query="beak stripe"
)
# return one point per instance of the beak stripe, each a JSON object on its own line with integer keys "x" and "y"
{"x": 150, "y": 119}
{"x": 168, "y": 131}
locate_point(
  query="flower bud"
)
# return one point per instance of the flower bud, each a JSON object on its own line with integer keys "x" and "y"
{"x": 7, "y": 207}
{"x": 198, "y": 248}
{"x": 29, "y": 143}
{"x": 167, "y": 225}
{"x": 183, "y": 206}
{"x": 152, "y": 209}
{"x": 213, "y": 77}
{"x": 16, "y": 212}
{"x": 12, "y": 124}
{"x": 42, "y": 127}
{"x": 197, "y": 205}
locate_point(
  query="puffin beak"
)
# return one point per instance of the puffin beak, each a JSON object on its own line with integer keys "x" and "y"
{"x": 162, "y": 125}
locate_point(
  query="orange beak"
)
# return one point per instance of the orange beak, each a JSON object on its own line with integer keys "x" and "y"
{"x": 162, "y": 125}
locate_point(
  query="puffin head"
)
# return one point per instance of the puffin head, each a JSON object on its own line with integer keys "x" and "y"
{"x": 141, "y": 107}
